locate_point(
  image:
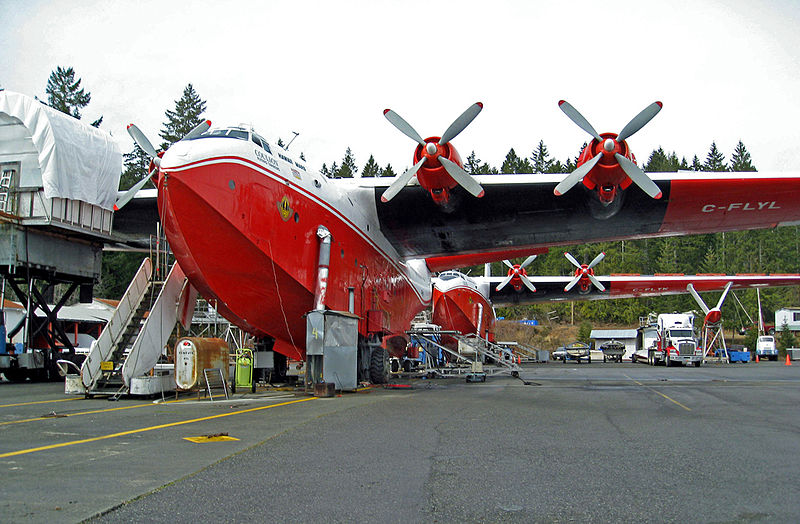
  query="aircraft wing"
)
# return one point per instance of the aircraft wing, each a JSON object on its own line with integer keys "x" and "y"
{"x": 519, "y": 214}
{"x": 551, "y": 289}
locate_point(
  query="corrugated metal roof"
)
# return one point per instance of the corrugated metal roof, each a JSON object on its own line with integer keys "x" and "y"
{"x": 613, "y": 333}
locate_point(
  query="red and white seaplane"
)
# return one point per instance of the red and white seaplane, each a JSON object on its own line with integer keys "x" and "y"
{"x": 269, "y": 239}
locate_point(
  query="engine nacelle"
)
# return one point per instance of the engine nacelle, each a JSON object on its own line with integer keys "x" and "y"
{"x": 607, "y": 174}
{"x": 432, "y": 175}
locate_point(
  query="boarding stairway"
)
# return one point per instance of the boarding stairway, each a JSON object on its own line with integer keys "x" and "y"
{"x": 132, "y": 341}
{"x": 471, "y": 349}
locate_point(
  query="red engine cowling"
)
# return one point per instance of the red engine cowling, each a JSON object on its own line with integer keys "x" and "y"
{"x": 432, "y": 175}
{"x": 607, "y": 171}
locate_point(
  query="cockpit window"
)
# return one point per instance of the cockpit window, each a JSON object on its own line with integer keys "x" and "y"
{"x": 260, "y": 141}
{"x": 231, "y": 133}
{"x": 237, "y": 133}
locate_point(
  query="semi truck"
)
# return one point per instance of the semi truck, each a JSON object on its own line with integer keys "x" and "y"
{"x": 670, "y": 339}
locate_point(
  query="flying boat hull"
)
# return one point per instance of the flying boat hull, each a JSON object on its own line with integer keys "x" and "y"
{"x": 245, "y": 235}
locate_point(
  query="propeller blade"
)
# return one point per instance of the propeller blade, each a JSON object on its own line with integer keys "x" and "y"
{"x": 142, "y": 141}
{"x": 460, "y": 123}
{"x": 639, "y": 120}
{"x": 403, "y": 126}
{"x": 596, "y": 282}
{"x": 528, "y": 283}
{"x": 508, "y": 263}
{"x": 724, "y": 294}
{"x": 597, "y": 260}
{"x": 528, "y": 261}
{"x": 463, "y": 178}
{"x": 505, "y": 281}
{"x": 638, "y": 176}
{"x": 578, "y": 118}
{"x": 129, "y": 194}
{"x": 401, "y": 181}
{"x": 572, "y": 259}
{"x": 198, "y": 130}
{"x": 697, "y": 298}
{"x": 576, "y": 176}
{"x": 572, "y": 283}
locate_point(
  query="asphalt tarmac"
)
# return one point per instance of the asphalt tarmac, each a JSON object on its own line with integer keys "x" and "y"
{"x": 599, "y": 442}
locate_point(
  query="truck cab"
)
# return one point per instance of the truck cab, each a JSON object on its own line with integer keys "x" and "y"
{"x": 676, "y": 340}
{"x": 765, "y": 347}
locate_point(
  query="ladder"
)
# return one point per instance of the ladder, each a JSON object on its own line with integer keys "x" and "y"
{"x": 5, "y": 189}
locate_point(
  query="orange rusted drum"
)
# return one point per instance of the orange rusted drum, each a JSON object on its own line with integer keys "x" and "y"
{"x": 193, "y": 355}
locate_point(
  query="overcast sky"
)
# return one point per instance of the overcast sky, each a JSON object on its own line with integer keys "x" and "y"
{"x": 725, "y": 71}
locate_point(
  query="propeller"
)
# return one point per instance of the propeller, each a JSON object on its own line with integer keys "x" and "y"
{"x": 144, "y": 143}
{"x": 432, "y": 151}
{"x": 518, "y": 271}
{"x": 585, "y": 271}
{"x": 713, "y": 315}
{"x": 610, "y": 146}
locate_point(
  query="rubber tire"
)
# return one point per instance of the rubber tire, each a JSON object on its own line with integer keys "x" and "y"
{"x": 379, "y": 366}
{"x": 16, "y": 375}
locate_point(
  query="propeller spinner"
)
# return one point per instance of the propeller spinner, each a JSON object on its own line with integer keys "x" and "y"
{"x": 713, "y": 315}
{"x": 585, "y": 274}
{"x": 612, "y": 153}
{"x": 517, "y": 276}
{"x": 437, "y": 164}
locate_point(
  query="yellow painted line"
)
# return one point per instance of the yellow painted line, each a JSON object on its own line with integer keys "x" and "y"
{"x": 64, "y": 415}
{"x": 203, "y": 440}
{"x": 659, "y": 393}
{"x": 40, "y": 402}
{"x": 151, "y": 428}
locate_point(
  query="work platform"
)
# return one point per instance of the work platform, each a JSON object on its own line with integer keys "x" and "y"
{"x": 59, "y": 180}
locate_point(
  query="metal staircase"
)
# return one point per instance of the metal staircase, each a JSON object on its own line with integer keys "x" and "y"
{"x": 471, "y": 349}
{"x": 133, "y": 340}
{"x": 102, "y": 369}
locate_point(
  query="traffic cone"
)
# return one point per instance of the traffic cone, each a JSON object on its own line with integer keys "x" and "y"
{"x": 788, "y": 362}
{"x": 756, "y": 358}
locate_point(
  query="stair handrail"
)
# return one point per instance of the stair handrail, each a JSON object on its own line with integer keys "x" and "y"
{"x": 104, "y": 346}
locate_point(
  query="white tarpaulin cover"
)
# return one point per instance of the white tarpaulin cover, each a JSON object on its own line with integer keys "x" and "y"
{"x": 77, "y": 161}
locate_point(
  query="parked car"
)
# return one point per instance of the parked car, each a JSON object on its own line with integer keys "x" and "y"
{"x": 560, "y": 353}
{"x": 578, "y": 351}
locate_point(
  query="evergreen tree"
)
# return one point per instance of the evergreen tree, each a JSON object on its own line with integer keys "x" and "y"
{"x": 136, "y": 164}
{"x": 333, "y": 170}
{"x": 715, "y": 161}
{"x": 65, "y": 94}
{"x": 348, "y": 168}
{"x": 185, "y": 117}
{"x": 388, "y": 171}
{"x": 540, "y": 159}
{"x": 785, "y": 338}
{"x": 324, "y": 171}
{"x": 657, "y": 162}
{"x": 515, "y": 164}
{"x": 696, "y": 165}
{"x": 486, "y": 169}
{"x": 510, "y": 163}
{"x": 740, "y": 161}
{"x": 371, "y": 168}
{"x": 472, "y": 164}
